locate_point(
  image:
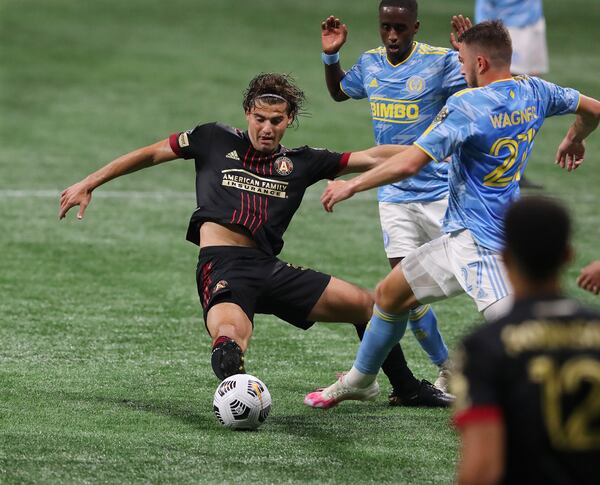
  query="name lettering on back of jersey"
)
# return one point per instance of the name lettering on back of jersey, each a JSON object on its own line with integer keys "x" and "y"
{"x": 536, "y": 335}
{"x": 502, "y": 120}
{"x": 249, "y": 182}
{"x": 394, "y": 110}
{"x": 233, "y": 155}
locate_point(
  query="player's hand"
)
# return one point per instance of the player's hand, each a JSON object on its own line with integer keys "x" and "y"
{"x": 570, "y": 154}
{"x": 333, "y": 35}
{"x": 335, "y": 192}
{"x": 78, "y": 194}
{"x": 459, "y": 24}
{"x": 589, "y": 278}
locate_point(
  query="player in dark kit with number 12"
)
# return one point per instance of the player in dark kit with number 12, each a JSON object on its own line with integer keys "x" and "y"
{"x": 248, "y": 188}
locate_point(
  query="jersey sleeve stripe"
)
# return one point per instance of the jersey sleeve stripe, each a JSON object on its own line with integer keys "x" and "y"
{"x": 477, "y": 414}
{"x": 578, "y": 102}
{"x": 342, "y": 88}
{"x": 426, "y": 152}
{"x": 344, "y": 161}
{"x": 174, "y": 144}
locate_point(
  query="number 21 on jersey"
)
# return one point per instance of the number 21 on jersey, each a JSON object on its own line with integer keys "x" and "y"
{"x": 512, "y": 148}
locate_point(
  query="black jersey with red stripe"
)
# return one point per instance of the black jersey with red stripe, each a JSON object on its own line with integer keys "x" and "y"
{"x": 537, "y": 371}
{"x": 235, "y": 184}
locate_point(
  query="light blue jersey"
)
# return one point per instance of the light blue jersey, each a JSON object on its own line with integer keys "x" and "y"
{"x": 513, "y": 13}
{"x": 490, "y": 133}
{"x": 404, "y": 101}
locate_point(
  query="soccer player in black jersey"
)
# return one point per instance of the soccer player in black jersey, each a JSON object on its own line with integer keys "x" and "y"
{"x": 248, "y": 187}
{"x": 528, "y": 385}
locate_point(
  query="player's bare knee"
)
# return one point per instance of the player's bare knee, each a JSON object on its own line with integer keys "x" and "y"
{"x": 384, "y": 297}
{"x": 388, "y": 299}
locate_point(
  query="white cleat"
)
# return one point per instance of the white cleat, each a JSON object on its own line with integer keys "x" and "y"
{"x": 340, "y": 391}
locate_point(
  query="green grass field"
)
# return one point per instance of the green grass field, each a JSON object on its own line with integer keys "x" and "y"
{"x": 104, "y": 361}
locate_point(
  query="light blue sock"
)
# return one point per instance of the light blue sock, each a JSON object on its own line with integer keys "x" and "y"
{"x": 383, "y": 332}
{"x": 423, "y": 323}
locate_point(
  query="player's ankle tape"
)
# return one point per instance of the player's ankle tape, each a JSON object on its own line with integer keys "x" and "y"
{"x": 221, "y": 340}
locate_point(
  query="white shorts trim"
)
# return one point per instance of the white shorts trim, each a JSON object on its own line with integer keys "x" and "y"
{"x": 530, "y": 52}
{"x": 453, "y": 264}
{"x": 406, "y": 226}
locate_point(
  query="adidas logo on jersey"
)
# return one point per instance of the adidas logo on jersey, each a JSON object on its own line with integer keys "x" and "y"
{"x": 233, "y": 155}
{"x": 373, "y": 83}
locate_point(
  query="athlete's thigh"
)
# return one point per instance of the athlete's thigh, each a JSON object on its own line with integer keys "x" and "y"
{"x": 394, "y": 294}
{"x": 290, "y": 293}
{"x": 530, "y": 50}
{"x": 400, "y": 228}
{"x": 233, "y": 275}
{"x": 343, "y": 302}
{"x": 480, "y": 271}
{"x": 430, "y": 273}
{"x": 431, "y": 216}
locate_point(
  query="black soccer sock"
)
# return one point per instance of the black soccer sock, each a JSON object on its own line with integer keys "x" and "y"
{"x": 227, "y": 358}
{"x": 395, "y": 368}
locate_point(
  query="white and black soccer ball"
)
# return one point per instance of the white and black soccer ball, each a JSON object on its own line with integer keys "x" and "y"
{"x": 242, "y": 401}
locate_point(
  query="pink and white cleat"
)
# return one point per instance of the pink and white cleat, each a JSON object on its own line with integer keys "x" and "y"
{"x": 340, "y": 391}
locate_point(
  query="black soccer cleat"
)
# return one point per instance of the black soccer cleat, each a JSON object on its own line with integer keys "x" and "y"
{"x": 227, "y": 359}
{"x": 426, "y": 396}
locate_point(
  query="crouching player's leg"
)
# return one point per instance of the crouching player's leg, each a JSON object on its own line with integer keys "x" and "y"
{"x": 230, "y": 330}
{"x": 227, "y": 287}
{"x": 379, "y": 348}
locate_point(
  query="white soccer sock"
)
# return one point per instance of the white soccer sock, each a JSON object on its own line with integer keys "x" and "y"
{"x": 356, "y": 378}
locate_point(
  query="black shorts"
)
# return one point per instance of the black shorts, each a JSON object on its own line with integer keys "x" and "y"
{"x": 258, "y": 283}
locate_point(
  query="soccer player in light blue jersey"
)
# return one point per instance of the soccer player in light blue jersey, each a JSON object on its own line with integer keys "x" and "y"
{"x": 407, "y": 83}
{"x": 489, "y": 130}
{"x": 524, "y": 20}
{"x": 526, "y": 25}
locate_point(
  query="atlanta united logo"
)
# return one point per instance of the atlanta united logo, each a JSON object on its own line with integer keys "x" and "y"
{"x": 415, "y": 84}
{"x": 284, "y": 166}
{"x": 220, "y": 285}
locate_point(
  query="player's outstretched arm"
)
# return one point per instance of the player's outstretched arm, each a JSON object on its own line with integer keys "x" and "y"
{"x": 81, "y": 193}
{"x": 333, "y": 37}
{"x": 367, "y": 159}
{"x": 571, "y": 150}
{"x": 398, "y": 167}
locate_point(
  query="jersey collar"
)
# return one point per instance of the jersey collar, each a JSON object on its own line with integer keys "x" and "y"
{"x": 280, "y": 148}
{"x": 502, "y": 80}
{"x": 414, "y": 47}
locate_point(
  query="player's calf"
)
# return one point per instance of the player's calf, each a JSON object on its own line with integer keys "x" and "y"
{"x": 423, "y": 323}
{"x": 227, "y": 358}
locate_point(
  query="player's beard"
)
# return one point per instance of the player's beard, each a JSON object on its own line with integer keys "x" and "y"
{"x": 471, "y": 78}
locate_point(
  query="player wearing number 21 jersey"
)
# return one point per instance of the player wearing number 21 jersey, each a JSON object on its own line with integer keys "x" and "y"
{"x": 406, "y": 82}
{"x": 489, "y": 132}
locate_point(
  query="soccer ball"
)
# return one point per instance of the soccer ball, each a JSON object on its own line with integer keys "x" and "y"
{"x": 242, "y": 401}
